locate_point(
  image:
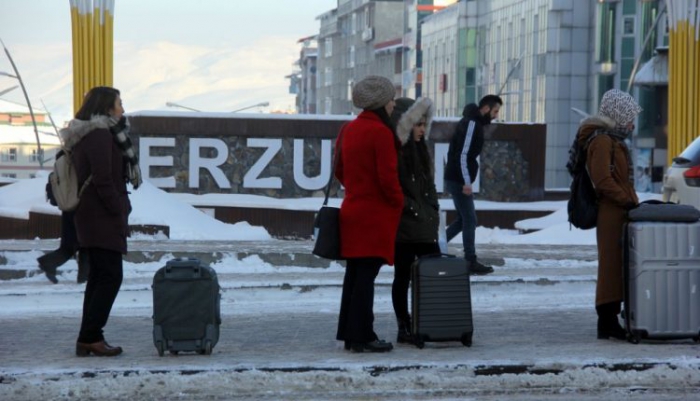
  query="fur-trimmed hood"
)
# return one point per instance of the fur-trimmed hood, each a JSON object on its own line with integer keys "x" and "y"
{"x": 591, "y": 124}
{"x": 77, "y": 129}
{"x": 422, "y": 107}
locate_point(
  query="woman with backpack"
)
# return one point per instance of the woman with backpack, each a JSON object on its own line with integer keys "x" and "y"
{"x": 104, "y": 158}
{"x": 418, "y": 229}
{"x": 610, "y": 167}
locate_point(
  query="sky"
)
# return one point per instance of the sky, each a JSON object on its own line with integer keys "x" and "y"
{"x": 212, "y": 55}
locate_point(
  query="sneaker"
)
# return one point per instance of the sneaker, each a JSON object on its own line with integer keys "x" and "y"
{"x": 373, "y": 346}
{"x": 479, "y": 269}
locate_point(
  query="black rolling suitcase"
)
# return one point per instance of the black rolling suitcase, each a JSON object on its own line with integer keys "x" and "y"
{"x": 441, "y": 300}
{"x": 186, "y": 307}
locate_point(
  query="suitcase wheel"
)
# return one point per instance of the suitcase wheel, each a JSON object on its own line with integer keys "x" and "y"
{"x": 696, "y": 339}
{"x": 174, "y": 352}
{"x": 466, "y": 340}
{"x": 420, "y": 343}
{"x": 207, "y": 348}
{"x": 161, "y": 348}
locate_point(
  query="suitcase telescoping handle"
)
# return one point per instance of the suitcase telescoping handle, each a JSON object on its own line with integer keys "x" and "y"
{"x": 175, "y": 268}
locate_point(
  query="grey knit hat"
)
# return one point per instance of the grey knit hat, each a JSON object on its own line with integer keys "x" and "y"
{"x": 373, "y": 92}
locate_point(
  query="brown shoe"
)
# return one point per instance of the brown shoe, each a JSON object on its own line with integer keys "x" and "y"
{"x": 100, "y": 348}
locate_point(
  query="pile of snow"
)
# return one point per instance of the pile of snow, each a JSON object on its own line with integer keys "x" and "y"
{"x": 151, "y": 206}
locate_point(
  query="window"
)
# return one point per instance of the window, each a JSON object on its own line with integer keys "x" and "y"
{"x": 328, "y": 76}
{"x": 353, "y": 23}
{"x": 605, "y": 36}
{"x": 628, "y": 26}
{"x": 34, "y": 158}
{"x": 351, "y": 84}
{"x": 329, "y": 47}
{"x": 10, "y": 155}
{"x": 351, "y": 56}
{"x": 9, "y": 175}
{"x": 328, "y": 104}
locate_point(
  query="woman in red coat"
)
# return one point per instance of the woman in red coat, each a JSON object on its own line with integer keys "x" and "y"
{"x": 371, "y": 209}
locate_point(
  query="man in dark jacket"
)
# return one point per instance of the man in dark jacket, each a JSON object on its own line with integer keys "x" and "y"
{"x": 462, "y": 169}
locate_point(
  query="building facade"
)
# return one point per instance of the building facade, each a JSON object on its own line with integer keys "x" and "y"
{"x": 356, "y": 40}
{"x": 303, "y": 79}
{"x": 536, "y": 54}
{"x": 631, "y": 39}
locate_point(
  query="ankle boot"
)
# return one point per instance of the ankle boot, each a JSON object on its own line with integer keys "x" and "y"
{"x": 404, "y": 335}
{"x": 608, "y": 323}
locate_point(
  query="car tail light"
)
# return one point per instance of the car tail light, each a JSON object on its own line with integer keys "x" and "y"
{"x": 692, "y": 176}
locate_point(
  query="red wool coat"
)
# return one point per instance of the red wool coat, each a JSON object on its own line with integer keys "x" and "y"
{"x": 371, "y": 209}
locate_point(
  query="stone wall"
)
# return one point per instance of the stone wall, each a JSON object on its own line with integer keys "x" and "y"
{"x": 290, "y": 156}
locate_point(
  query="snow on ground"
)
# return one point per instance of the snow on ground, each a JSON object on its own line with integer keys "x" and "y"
{"x": 151, "y": 206}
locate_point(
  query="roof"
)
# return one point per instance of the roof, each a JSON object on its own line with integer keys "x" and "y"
{"x": 24, "y": 134}
{"x": 7, "y": 106}
{"x": 655, "y": 71}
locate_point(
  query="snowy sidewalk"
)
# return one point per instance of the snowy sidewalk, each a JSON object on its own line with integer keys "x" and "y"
{"x": 275, "y": 253}
{"x": 277, "y": 342}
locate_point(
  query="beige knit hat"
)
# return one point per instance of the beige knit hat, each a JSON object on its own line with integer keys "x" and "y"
{"x": 373, "y": 92}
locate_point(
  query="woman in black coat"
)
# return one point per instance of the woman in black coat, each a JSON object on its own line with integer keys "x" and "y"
{"x": 104, "y": 161}
{"x": 418, "y": 229}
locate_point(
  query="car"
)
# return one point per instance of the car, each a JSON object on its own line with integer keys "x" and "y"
{"x": 682, "y": 180}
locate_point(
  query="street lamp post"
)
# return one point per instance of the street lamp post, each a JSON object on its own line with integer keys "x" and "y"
{"x": 262, "y": 104}
{"x": 29, "y": 104}
{"x": 171, "y": 104}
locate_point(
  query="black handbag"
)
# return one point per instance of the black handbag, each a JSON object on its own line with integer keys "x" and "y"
{"x": 327, "y": 222}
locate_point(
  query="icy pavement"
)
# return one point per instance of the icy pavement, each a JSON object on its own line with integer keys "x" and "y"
{"x": 534, "y": 340}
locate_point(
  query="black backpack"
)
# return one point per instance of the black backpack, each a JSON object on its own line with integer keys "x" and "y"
{"x": 583, "y": 200}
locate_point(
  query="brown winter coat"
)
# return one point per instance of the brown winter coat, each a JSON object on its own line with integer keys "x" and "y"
{"x": 101, "y": 218}
{"x": 615, "y": 191}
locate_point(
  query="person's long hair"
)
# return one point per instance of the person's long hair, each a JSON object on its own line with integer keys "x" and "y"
{"x": 386, "y": 119}
{"x": 98, "y": 101}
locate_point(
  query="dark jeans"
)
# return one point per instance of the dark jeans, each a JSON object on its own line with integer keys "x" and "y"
{"x": 466, "y": 219}
{"x": 103, "y": 284}
{"x": 356, "y": 320}
{"x": 405, "y": 255}
{"x": 69, "y": 243}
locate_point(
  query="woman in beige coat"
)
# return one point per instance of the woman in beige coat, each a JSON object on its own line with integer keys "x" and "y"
{"x": 610, "y": 167}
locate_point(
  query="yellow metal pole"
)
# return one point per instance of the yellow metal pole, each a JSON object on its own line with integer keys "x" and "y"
{"x": 76, "y": 53}
{"x": 109, "y": 32}
{"x": 96, "y": 44}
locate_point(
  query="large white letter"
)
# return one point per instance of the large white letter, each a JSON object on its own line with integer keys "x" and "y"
{"x": 251, "y": 180}
{"x": 197, "y": 162}
{"x": 320, "y": 180}
{"x": 147, "y": 161}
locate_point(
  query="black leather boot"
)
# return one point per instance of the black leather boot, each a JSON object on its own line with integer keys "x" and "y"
{"x": 608, "y": 323}
{"x": 404, "y": 335}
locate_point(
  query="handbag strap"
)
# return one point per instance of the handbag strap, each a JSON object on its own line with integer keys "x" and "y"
{"x": 338, "y": 149}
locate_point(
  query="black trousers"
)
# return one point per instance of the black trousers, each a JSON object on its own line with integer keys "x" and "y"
{"x": 356, "y": 320}
{"x": 69, "y": 243}
{"x": 102, "y": 287}
{"x": 404, "y": 257}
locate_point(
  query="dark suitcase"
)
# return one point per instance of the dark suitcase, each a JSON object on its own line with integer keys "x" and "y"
{"x": 441, "y": 300}
{"x": 186, "y": 307}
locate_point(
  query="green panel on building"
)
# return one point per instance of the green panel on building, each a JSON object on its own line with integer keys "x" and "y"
{"x": 626, "y": 66}
{"x": 629, "y": 7}
{"x": 627, "y": 48}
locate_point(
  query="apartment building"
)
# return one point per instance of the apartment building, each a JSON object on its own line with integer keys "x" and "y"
{"x": 356, "y": 39}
